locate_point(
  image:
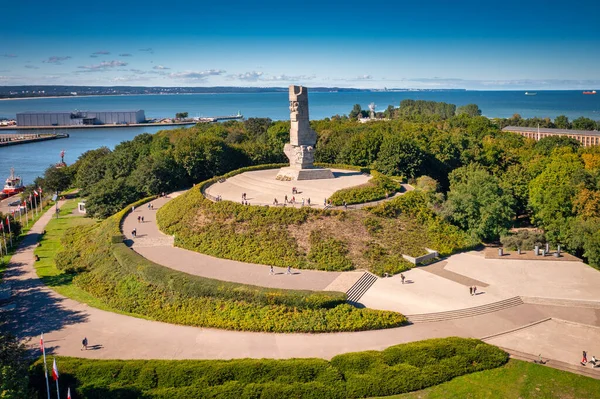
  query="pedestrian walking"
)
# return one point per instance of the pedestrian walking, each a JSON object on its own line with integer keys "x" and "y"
{"x": 142, "y": 219}
{"x": 308, "y": 201}
{"x": 272, "y": 271}
{"x": 152, "y": 207}
{"x": 285, "y": 199}
{"x": 84, "y": 344}
{"x": 345, "y": 206}
{"x": 289, "y": 271}
{"x": 302, "y": 201}
{"x": 474, "y": 290}
{"x": 471, "y": 290}
{"x": 402, "y": 277}
{"x": 325, "y": 202}
{"x": 139, "y": 218}
{"x": 134, "y": 233}
{"x": 149, "y": 204}
{"x": 584, "y": 359}
{"x": 133, "y": 209}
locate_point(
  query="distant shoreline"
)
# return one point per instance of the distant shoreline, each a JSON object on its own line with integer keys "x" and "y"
{"x": 94, "y": 126}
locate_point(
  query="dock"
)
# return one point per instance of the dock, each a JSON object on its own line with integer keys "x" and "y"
{"x": 14, "y": 139}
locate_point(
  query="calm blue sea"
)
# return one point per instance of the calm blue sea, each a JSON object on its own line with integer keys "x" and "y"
{"x": 30, "y": 160}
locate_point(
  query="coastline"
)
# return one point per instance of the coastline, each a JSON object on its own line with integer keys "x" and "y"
{"x": 95, "y": 126}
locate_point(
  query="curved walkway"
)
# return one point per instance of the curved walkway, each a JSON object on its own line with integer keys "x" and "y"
{"x": 158, "y": 247}
{"x": 65, "y": 322}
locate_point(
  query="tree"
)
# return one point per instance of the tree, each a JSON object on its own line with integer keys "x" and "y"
{"x": 181, "y": 115}
{"x": 477, "y": 204}
{"x": 551, "y": 193}
{"x": 257, "y": 127}
{"x": 399, "y": 156}
{"x": 57, "y": 179}
{"x": 14, "y": 365}
{"x": 469, "y": 109}
{"x": 90, "y": 168}
{"x": 356, "y": 112}
{"x": 582, "y": 123}
{"x": 562, "y": 122}
{"x": 546, "y": 145}
{"x": 361, "y": 149}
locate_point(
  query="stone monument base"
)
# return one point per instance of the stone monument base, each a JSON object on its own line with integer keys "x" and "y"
{"x": 287, "y": 174}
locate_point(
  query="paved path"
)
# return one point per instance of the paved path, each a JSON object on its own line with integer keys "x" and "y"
{"x": 156, "y": 246}
{"x": 65, "y": 322}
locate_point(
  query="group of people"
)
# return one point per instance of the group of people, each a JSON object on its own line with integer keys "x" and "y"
{"x": 218, "y": 198}
{"x": 140, "y": 219}
{"x": 272, "y": 270}
{"x": 594, "y": 362}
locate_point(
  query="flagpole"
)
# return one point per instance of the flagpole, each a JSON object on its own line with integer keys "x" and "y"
{"x": 36, "y": 207}
{"x": 45, "y": 367}
{"x": 55, "y": 369}
{"x": 9, "y": 232}
{"x": 26, "y": 213}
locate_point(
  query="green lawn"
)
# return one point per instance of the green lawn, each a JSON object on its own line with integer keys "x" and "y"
{"x": 517, "y": 379}
{"x": 5, "y": 258}
{"x": 51, "y": 244}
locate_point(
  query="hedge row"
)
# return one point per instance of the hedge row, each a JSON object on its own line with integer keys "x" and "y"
{"x": 379, "y": 187}
{"x": 398, "y": 369}
{"x": 126, "y": 281}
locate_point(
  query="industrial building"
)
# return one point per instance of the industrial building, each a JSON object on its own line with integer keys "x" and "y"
{"x": 80, "y": 118}
{"x": 586, "y": 137}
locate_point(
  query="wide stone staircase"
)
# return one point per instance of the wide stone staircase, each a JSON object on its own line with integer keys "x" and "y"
{"x": 360, "y": 287}
{"x": 467, "y": 312}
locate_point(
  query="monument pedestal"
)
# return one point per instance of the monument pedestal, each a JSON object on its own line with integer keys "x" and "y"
{"x": 289, "y": 173}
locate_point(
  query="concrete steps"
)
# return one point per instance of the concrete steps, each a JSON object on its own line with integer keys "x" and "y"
{"x": 468, "y": 312}
{"x": 361, "y": 286}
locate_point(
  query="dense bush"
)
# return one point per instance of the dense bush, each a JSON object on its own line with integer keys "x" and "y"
{"x": 127, "y": 282}
{"x": 378, "y": 187}
{"x": 398, "y": 369}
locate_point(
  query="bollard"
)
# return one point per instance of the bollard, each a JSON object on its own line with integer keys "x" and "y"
{"x": 558, "y": 250}
{"x": 536, "y": 250}
{"x": 556, "y": 255}
{"x": 500, "y": 252}
{"x": 519, "y": 251}
{"x": 543, "y": 252}
{"x": 547, "y": 247}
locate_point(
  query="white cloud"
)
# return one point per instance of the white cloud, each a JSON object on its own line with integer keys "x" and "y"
{"x": 288, "y": 78}
{"x": 195, "y": 76}
{"x": 57, "y": 59}
{"x": 125, "y": 55}
{"x": 248, "y": 76}
{"x": 103, "y": 65}
{"x": 160, "y": 67}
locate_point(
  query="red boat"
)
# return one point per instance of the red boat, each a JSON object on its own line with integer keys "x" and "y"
{"x": 590, "y": 92}
{"x": 13, "y": 184}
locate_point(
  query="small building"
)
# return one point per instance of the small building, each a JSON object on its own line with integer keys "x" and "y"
{"x": 587, "y": 138}
{"x": 82, "y": 118}
{"x": 81, "y": 207}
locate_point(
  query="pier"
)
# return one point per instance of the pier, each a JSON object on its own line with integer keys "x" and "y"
{"x": 14, "y": 139}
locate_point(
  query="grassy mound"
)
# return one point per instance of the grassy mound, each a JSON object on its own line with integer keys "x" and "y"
{"x": 310, "y": 238}
{"x": 398, "y": 369}
{"x": 96, "y": 261}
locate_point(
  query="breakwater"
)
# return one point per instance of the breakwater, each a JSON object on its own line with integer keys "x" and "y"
{"x": 83, "y": 127}
{"x": 14, "y": 139}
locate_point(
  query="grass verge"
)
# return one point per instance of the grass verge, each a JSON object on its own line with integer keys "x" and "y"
{"x": 517, "y": 379}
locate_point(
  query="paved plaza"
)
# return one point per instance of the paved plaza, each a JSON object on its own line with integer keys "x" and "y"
{"x": 567, "y": 329}
{"x": 261, "y": 187}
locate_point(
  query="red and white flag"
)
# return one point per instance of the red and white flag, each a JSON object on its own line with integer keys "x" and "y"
{"x": 7, "y": 221}
{"x": 42, "y": 343}
{"x": 35, "y": 193}
{"x": 30, "y": 198}
{"x": 68, "y": 393}
{"x": 54, "y": 371}
{"x": 39, "y": 188}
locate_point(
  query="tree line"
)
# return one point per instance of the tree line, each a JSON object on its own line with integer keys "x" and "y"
{"x": 482, "y": 179}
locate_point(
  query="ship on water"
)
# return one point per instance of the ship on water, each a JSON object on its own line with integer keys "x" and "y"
{"x": 590, "y": 92}
{"x": 530, "y": 93}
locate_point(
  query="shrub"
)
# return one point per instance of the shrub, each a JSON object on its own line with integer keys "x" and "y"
{"x": 398, "y": 369}
{"x": 379, "y": 187}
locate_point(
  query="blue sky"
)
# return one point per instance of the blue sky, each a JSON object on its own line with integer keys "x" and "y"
{"x": 395, "y": 44}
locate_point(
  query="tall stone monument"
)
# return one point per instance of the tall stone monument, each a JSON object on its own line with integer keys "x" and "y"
{"x": 301, "y": 148}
